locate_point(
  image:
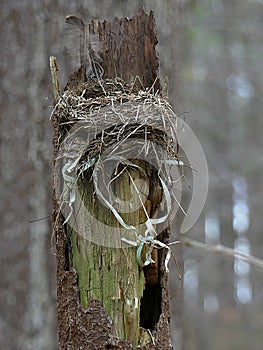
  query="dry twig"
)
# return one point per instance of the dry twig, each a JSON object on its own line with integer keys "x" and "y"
{"x": 55, "y": 77}
{"x": 225, "y": 251}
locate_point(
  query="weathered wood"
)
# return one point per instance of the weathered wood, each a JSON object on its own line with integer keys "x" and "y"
{"x": 126, "y": 50}
{"x": 109, "y": 275}
{"x": 55, "y": 77}
{"x": 105, "y": 299}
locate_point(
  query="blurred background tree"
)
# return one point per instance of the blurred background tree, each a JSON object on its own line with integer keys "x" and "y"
{"x": 211, "y": 50}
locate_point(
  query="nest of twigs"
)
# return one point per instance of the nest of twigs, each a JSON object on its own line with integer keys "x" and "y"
{"x": 100, "y": 114}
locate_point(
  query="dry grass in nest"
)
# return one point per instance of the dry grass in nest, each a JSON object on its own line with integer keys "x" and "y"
{"x": 109, "y": 112}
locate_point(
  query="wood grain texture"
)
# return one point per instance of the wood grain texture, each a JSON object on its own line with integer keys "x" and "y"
{"x": 127, "y": 49}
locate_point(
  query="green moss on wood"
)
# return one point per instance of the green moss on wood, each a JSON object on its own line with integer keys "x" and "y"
{"x": 110, "y": 275}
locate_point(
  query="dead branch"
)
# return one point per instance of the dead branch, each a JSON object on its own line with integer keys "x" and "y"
{"x": 225, "y": 251}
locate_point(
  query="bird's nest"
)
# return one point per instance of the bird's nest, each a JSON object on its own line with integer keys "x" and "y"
{"x": 110, "y": 112}
{"x": 113, "y": 120}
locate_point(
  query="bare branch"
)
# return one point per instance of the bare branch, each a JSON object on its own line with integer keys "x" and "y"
{"x": 222, "y": 250}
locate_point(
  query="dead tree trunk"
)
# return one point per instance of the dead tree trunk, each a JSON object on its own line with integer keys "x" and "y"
{"x": 107, "y": 298}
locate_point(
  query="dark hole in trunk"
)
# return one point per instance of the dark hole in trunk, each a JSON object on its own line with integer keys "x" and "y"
{"x": 150, "y": 306}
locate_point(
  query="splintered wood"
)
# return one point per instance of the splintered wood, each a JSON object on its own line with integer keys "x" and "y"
{"x": 106, "y": 295}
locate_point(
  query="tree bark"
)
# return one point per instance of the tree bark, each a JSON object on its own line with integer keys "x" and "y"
{"x": 105, "y": 299}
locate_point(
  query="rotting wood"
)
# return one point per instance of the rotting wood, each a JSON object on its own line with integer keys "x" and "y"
{"x": 90, "y": 317}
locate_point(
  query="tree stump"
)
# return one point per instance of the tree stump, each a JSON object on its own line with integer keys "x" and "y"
{"x": 112, "y": 290}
